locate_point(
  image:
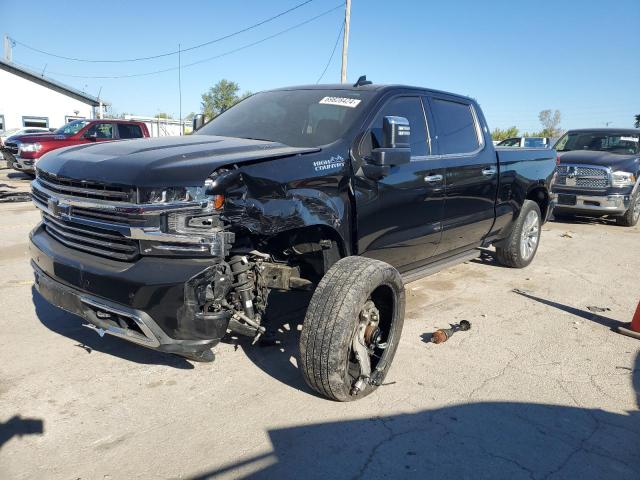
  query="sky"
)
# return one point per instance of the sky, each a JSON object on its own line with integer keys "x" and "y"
{"x": 515, "y": 58}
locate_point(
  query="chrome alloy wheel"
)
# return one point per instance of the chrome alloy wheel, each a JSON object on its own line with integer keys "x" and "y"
{"x": 530, "y": 235}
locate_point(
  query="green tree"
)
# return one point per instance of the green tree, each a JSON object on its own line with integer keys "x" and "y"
{"x": 163, "y": 116}
{"x": 498, "y": 134}
{"x": 222, "y": 96}
{"x": 637, "y": 124}
{"x": 550, "y": 121}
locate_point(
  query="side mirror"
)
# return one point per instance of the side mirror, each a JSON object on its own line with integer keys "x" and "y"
{"x": 396, "y": 149}
{"x": 198, "y": 121}
{"x": 91, "y": 136}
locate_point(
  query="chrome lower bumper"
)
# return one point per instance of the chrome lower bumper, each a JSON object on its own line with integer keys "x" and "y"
{"x": 24, "y": 164}
{"x": 602, "y": 204}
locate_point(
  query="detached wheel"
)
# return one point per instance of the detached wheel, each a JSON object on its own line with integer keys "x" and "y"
{"x": 632, "y": 215}
{"x": 352, "y": 328}
{"x": 518, "y": 250}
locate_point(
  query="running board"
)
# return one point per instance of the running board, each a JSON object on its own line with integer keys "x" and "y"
{"x": 421, "y": 272}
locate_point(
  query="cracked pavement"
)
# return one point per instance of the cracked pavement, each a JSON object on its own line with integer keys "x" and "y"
{"x": 539, "y": 388}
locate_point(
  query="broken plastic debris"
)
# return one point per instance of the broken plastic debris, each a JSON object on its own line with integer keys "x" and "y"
{"x": 596, "y": 309}
{"x": 567, "y": 235}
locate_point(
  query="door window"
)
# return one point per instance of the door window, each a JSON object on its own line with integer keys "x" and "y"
{"x": 129, "y": 130}
{"x": 101, "y": 131}
{"x": 457, "y": 129}
{"x": 409, "y": 108}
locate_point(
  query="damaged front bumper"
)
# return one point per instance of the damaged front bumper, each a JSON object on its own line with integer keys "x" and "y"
{"x": 153, "y": 302}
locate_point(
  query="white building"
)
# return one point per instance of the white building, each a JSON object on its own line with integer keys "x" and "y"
{"x": 162, "y": 127}
{"x": 28, "y": 99}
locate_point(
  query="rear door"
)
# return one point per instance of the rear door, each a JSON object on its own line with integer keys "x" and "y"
{"x": 129, "y": 130}
{"x": 471, "y": 173}
{"x": 399, "y": 215}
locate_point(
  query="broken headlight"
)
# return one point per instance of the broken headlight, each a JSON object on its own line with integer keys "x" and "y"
{"x": 189, "y": 226}
{"x": 170, "y": 195}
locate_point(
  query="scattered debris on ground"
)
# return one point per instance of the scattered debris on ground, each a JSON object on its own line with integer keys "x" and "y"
{"x": 596, "y": 309}
{"x": 567, "y": 235}
{"x": 443, "y": 334}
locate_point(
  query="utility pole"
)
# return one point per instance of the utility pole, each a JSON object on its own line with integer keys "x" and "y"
{"x": 345, "y": 41}
{"x": 180, "y": 88}
{"x": 8, "y": 49}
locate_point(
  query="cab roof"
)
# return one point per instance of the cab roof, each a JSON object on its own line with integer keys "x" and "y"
{"x": 376, "y": 87}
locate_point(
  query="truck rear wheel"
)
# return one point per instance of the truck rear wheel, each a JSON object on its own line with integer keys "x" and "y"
{"x": 352, "y": 328}
{"x": 520, "y": 247}
{"x": 632, "y": 215}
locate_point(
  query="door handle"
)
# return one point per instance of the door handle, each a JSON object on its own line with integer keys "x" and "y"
{"x": 433, "y": 178}
{"x": 489, "y": 171}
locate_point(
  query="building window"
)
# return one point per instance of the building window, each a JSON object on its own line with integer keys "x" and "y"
{"x": 35, "y": 122}
{"x": 71, "y": 118}
{"x": 2, "y": 127}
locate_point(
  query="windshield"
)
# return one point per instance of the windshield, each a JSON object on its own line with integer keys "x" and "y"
{"x": 72, "y": 128}
{"x": 298, "y": 118}
{"x": 613, "y": 142}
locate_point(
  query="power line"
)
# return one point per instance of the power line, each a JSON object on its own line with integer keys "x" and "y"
{"x": 332, "y": 53}
{"x": 224, "y": 54}
{"x": 175, "y": 52}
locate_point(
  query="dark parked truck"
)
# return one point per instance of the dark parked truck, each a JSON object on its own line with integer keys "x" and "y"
{"x": 346, "y": 191}
{"x": 599, "y": 173}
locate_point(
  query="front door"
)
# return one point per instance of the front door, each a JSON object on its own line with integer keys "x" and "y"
{"x": 399, "y": 215}
{"x": 471, "y": 175}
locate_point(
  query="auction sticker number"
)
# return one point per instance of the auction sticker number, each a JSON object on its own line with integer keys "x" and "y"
{"x": 341, "y": 101}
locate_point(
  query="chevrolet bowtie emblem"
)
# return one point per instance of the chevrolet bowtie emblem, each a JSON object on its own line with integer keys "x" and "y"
{"x": 53, "y": 204}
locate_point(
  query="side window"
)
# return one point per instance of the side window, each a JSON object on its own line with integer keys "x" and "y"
{"x": 456, "y": 126}
{"x": 411, "y": 109}
{"x": 101, "y": 130}
{"x": 128, "y": 130}
{"x": 510, "y": 142}
{"x": 42, "y": 122}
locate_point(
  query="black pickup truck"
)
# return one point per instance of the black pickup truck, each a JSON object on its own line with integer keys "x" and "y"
{"x": 346, "y": 191}
{"x": 599, "y": 174}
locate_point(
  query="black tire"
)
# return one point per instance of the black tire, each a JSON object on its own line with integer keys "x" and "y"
{"x": 510, "y": 252}
{"x": 327, "y": 359}
{"x": 631, "y": 216}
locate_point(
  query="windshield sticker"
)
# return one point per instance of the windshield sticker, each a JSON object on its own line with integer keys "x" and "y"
{"x": 341, "y": 101}
{"x": 334, "y": 162}
{"x": 630, "y": 139}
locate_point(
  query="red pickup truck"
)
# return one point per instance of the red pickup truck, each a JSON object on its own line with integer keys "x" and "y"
{"x": 23, "y": 151}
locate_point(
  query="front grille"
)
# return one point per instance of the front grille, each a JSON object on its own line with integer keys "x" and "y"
{"x": 98, "y": 241}
{"x": 82, "y": 189}
{"x": 11, "y": 147}
{"x": 582, "y": 176}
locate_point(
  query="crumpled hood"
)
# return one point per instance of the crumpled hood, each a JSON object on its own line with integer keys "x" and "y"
{"x": 159, "y": 162}
{"x": 603, "y": 159}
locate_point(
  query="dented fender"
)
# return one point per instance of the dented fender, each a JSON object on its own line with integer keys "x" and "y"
{"x": 265, "y": 201}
